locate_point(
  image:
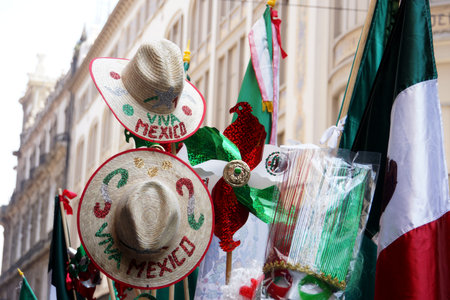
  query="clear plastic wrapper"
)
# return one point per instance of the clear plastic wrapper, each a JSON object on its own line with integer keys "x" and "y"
{"x": 324, "y": 202}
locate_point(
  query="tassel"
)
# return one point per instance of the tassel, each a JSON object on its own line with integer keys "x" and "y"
{"x": 267, "y": 106}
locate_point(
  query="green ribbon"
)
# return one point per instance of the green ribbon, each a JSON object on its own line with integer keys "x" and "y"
{"x": 309, "y": 279}
{"x": 208, "y": 143}
{"x": 145, "y": 295}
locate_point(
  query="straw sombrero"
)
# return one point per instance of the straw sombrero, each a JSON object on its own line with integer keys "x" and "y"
{"x": 145, "y": 218}
{"x": 149, "y": 94}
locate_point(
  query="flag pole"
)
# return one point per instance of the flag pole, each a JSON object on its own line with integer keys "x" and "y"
{"x": 111, "y": 288}
{"x": 357, "y": 61}
{"x": 186, "y": 63}
{"x": 173, "y": 150}
{"x": 228, "y": 267}
{"x": 66, "y": 231}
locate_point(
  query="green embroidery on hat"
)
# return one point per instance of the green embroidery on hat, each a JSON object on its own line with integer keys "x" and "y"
{"x": 173, "y": 119}
{"x": 122, "y": 181}
{"x": 194, "y": 224}
{"x": 149, "y": 116}
{"x": 165, "y": 121}
{"x": 150, "y": 99}
{"x": 128, "y": 109}
{"x": 116, "y": 254}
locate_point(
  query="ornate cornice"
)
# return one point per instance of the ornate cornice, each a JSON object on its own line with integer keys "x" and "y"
{"x": 38, "y": 250}
{"x": 114, "y": 21}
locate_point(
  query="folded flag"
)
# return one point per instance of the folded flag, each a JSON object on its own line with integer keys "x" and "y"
{"x": 402, "y": 121}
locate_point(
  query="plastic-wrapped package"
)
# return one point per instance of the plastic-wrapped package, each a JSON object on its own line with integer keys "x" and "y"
{"x": 323, "y": 206}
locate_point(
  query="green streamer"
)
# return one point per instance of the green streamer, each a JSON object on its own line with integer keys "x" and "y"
{"x": 208, "y": 143}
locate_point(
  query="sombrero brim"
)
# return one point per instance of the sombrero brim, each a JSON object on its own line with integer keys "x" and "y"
{"x": 184, "y": 121}
{"x": 96, "y": 219}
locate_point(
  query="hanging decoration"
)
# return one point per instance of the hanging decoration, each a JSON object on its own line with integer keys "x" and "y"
{"x": 82, "y": 275}
{"x": 321, "y": 214}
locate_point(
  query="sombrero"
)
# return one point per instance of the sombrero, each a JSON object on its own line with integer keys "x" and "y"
{"x": 145, "y": 218}
{"x": 149, "y": 94}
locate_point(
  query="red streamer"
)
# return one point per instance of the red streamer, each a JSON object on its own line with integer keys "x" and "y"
{"x": 277, "y": 23}
{"x": 64, "y": 198}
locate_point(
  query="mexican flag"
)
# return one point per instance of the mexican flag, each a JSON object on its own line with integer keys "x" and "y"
{"x": 260, "y": 85}
{"x": 381, "y": 24}
{"x": 58, "y": 258}
{"x": 402, "y": 121}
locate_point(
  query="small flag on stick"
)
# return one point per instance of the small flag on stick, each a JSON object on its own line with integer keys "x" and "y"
{"x": 26, "y": 293}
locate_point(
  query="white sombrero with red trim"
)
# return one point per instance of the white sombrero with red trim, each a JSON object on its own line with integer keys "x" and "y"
{"x": 149, "y": 94}
{"x": 145, "y": 218}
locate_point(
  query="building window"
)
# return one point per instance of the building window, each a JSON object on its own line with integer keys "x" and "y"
{"x": 46, "y": 206}
{"x": 201, "y": 25}
{"x": 52, "y": 135}
{"x": 92, "y": 149}
{"x": 42, "y": 148}
{"x": 106, "y": 132}
{"x": 175, "y": 33}
{"x": 79, "y": 162}
{"x": 34, "y": 223}
{"x": 283, "y": 15}
{"x": 229, "y": 78}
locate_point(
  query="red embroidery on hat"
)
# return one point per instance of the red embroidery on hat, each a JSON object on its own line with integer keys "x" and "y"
{"x": 163, "y": 268}
{"x": 150, "y": 269}
{"x": 191, "y": 203}
{"x": 175, "y": 101}
{"x": 187, "y": 110}
{"x": 101, "y": 213}
{"x": 182, "y": 129}
{"x": 175, "y": 258}
{"x": 187, "y": 183}
{"x": 175, "y": 134}
{"x": 114, "y": 75}
{"x": 186, "y": 240}
{"x": 140, "y": 267}
{"x": 172, "y": 262}
{"x": 152, "y": 131}
{"x": 139, "y": 124}
{"x": 163, "y": 132}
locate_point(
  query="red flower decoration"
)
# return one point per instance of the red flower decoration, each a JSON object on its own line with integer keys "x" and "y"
{"x": 187, "y": 110}
{"x": 114, "y": 75}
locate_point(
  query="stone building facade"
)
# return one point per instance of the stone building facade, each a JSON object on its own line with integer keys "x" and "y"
{"x": 69, "y": 131}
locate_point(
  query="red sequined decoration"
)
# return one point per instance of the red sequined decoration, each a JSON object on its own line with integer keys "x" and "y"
{"x": 230, "y": 215}
{"x": 249, "y": 136}
{"x": 121, "y": 289}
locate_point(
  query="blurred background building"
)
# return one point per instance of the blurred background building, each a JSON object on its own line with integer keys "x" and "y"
{"x": 68, "y": 130}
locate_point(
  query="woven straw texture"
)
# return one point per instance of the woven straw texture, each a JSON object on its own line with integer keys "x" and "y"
{"x": 145, "y": 218}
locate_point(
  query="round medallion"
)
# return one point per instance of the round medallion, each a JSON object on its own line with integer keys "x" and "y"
{"x": 236, "y": 173}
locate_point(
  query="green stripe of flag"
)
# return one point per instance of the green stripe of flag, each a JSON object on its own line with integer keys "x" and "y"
{"x": 380, "y": 28}
{"x": 26, "y": 292}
